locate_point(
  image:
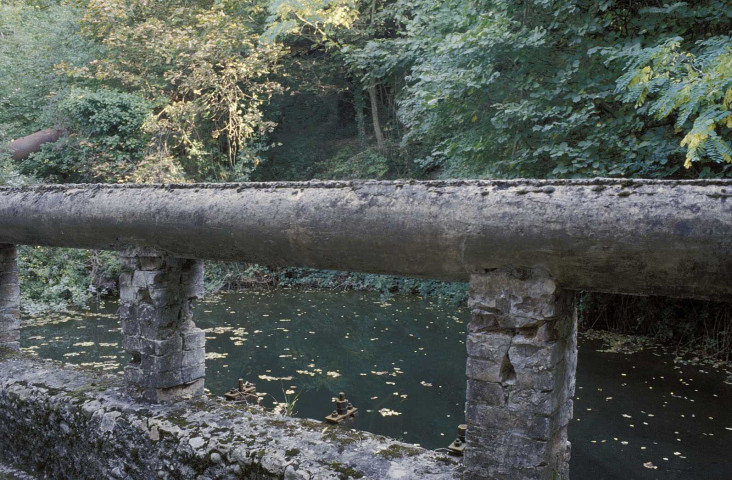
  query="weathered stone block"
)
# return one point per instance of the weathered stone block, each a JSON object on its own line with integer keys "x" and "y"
{"x": 192, "y": 373}
{"x": 9, "y": 321}
{"x": 9, "y": 298}
{"x": 8, "y": 276}
{"x": 162, "y": 295}
{"x": 193, "y": 357}
{"x": 193, "y": 279}
{"x": 486, "y": 392}
{"x": 486, "y": 320}
{"x": 534, "y": 357}
{"x": 150, "y": 263}
{"x": 134, "y": 375}
{"x": 130, "y": 326}
{"x": 526, "y": 292}
{"x": 142, "y": 279}
{"x": 162, "y": 347}
{"x": 176, "y": 393}
{"x": 539, "y": 377}
{"x": 166, "y": 363}
{"x": 131, "y": 343}
{"x": 513, "y": 450}
{"x": 533, "y": 401}
{"x": 126, "y": 290}
{"x": 9, "y": 336}
{"x": 483, "y": 370}
{"x": 193, "y": 339}
{"x": 489, "y": 346}
{"x": 10, "y": 294}
{"x": 168, "y": 379}
{"x": 498, "y": 471}
{"x": 496, "y": 421}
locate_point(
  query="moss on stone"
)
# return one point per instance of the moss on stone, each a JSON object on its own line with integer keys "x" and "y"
{"x": 178, "y": 420}
{"x": 398, "y": 451}
{"x": 291, "y": 452}
{"x": 344, "y": 471}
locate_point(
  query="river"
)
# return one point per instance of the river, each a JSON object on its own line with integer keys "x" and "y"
{"x": 401, "y": 362}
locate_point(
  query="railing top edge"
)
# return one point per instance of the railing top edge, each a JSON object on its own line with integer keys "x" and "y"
{"x": 623, "y": 182}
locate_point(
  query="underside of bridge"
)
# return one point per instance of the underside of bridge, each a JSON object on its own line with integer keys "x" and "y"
{"x": 524, "y": 246}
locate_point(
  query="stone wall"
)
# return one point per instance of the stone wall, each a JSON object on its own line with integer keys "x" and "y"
{"x": 9, "y": 297}
{"x": 70, "y": 423}
{"x": 522, "y": 357}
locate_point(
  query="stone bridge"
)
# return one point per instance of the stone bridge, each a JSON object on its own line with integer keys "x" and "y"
{"x": 523, "y": 245}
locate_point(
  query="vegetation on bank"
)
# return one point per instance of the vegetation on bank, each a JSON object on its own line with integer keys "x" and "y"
{"x": 237, "y": 90}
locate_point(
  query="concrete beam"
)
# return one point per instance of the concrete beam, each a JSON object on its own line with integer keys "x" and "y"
{"x": 643, "y": 237}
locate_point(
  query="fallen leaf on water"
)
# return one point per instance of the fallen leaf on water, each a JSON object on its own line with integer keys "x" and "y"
{"x": 385, "y": 412}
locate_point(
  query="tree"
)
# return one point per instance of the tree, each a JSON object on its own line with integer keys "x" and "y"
{"x": 201, "y": 64}
{"x": 505, "y": 88}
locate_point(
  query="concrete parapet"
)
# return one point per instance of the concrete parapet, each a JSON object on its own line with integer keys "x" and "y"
{"x": 522, "y": 357}
{"x": 168, "y": 351}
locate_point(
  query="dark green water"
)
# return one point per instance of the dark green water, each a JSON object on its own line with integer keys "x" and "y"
{"x": 402, "y": 362}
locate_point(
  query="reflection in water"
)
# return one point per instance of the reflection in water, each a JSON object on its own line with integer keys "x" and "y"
{"x": 402, "y": 361}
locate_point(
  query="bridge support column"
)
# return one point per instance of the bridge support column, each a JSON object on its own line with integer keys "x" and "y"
{"x": 168, "y": 356}
{"x": 522, "y": 355}
{"x": 9, "y": 298}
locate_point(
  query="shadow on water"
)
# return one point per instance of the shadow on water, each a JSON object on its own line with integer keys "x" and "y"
{"x": 402, "y": 362}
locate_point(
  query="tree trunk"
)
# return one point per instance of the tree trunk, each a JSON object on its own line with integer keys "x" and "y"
{"x": 358, "y": 103}
{"x": 381, "y": 145}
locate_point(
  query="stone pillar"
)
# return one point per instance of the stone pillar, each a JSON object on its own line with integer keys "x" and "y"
{"x": 157, "y": 326}
{"x": 9, "y": 298}
{"x": 522, "y": 355}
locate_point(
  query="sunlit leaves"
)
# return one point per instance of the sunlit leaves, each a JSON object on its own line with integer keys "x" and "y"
{"x": 320, "y": 20}
{"x": 202, "y": 64}
{"x": 696, "y": 88}
{"x": 498, "y": 88}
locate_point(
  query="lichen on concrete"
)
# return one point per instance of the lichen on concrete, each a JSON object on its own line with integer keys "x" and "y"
{"x": 579, "y": 230}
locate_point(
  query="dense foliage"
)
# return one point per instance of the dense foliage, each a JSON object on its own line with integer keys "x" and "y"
{"x": 107, "y": 142}
{"x": 560, "y": 88}
{"x": 449, "y": 88}
{"x": 235, "y": 90}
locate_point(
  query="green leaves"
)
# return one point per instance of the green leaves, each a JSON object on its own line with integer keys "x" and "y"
{"x": 564, "y": 88}
{"x": 694, "y": 86}
{"x": 319, "y": 20}
{"x": 204, "y": 67}
{"x": 107, "y": 142}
